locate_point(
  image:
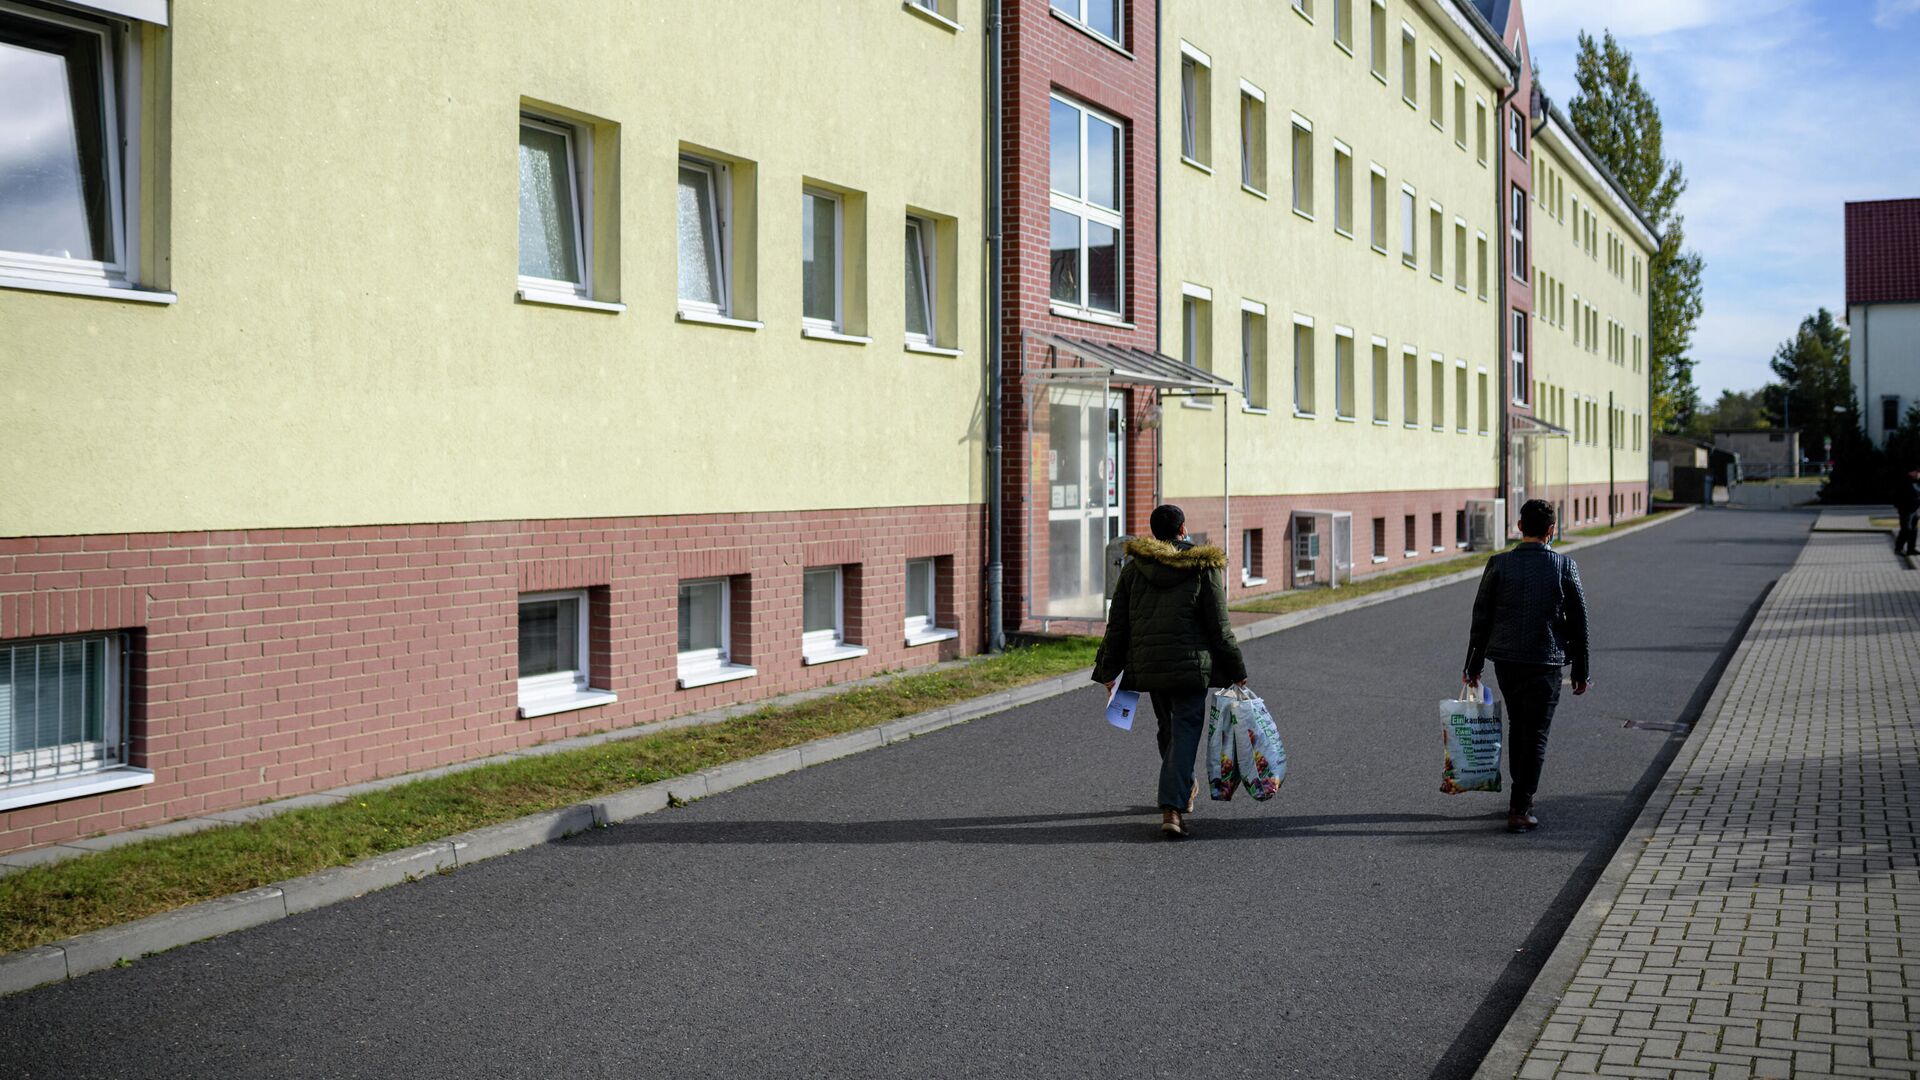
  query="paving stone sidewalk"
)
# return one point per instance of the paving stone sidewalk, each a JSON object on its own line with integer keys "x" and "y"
{"x": 1771, "y": 928}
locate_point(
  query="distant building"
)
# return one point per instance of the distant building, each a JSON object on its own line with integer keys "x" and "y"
{"x": 1765, "y": 453}
{"x": 1883, "y": 309}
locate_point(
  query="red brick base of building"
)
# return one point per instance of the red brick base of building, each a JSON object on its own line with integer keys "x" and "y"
{"x": 269, "y": 663}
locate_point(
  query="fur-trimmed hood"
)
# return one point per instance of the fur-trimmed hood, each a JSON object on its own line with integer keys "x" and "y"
{"x": 1165, "y": 564}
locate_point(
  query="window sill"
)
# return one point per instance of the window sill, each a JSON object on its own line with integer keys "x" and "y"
{"x": 932, "y": 16}
{"x": 828, "y": 656}
{"x": 929, "y": 636}
{"x": 1302, "y": 12}
{"x": 74, "y": 787}
{"x": 1252, "y": 582}
{"x": 1411, "y": 427}
{"x": 1195, "y": 403}
{"x": 1411, "y": 104}
{"x": 1300, "y": 415}
{"x": 1379, "y": 76}
{"x": 556, "y": 298}
{"x": 931, "y": 350}
{"x": 559, "y": 703}
{"x": 1378, "y": 248}
{"x": 1338, "y": 231}
{"x": 708, "y": 318}
{"x": 1302, "y": 213}
{"x": 1459, "y": 288}
{"x": 1410, "y": 554}
{"x": 1255, "y": 410}
{"x": 1378, "y": 559}
{"x": 1092, "y": 316}
{"x": 1437, "y": 550}
{"x": 1411, "y": 264}
{"x": 1251, "y": 190}
{"x": 711, "y": 675}
{"x": 1438, "y": 126}
{"x": 1441, "y": 428}
{"x": 1343, "y": 46}
{"x": 1338, "y": 419}
{"x": 1090, "y": 32}
{"x": 1462, "y": 146}
{"x": 101, "y": 292}
{"x": 1196, "y": 163}
{"x": 818, "y": 333}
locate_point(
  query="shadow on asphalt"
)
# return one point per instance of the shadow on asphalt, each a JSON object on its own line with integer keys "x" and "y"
{"x": 1477, "y": 1037}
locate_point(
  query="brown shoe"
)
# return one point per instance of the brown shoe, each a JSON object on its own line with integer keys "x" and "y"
{"x": 1171, "y": 824}
{"x": 1519, "y": 823}
{"x": 1192, "y": 795}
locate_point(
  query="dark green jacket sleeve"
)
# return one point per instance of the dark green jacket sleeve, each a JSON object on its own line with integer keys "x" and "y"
{"x": 1229, "y": 666}
{"x": 1112, "y": 658}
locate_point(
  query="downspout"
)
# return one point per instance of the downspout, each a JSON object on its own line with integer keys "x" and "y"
{"x": 1504, "y": 363}
{"x": 996, "y": 343}
{"x": 1159, "y": 258}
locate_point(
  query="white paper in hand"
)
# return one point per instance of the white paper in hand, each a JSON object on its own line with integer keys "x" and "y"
{"x": 1121, "y": 705}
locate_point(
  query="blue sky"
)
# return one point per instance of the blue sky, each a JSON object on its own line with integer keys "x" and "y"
{"x": 1780, "y": 111}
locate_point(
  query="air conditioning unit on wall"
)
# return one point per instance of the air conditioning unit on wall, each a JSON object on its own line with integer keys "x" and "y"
{"x": 1486, "y": 524}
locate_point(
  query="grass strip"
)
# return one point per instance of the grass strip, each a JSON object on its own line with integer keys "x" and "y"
{"x": 1301, "y": 599}
{"x": 47, "y": 903}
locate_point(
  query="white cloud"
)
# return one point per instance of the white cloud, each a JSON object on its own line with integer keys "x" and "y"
{"x": 1887, "y": 13}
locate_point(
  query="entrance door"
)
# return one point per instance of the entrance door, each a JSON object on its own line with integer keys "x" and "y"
{"x": 1086, "y": 492}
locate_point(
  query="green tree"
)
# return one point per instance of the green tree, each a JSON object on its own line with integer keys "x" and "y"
{"x": 1618, "y": 118}
{"x": 1733, "y": 412}
{"x": 1815, "y": 392}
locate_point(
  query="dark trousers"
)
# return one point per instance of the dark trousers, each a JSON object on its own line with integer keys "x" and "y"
{"x": 1531, "y": 693}
{"x": 1182, "y": 715}
{"x": 1903, "y": 541}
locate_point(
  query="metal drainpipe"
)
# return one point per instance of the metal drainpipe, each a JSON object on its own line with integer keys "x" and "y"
{"x": 996, "y": 513}
{"x": 1503, "y": 450}
{"x": 1159, "y": 259}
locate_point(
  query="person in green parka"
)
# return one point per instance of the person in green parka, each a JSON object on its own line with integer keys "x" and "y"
{"x": 1168, "y": 637}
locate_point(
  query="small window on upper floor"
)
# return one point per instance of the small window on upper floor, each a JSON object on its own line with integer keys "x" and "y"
{"x": 1409, "y": 228}
{"x": 1342, "y": 189}
{"x": 70, "y": 143}
{"x": 945, "y": 12}
{"x": 1302, "y": 166}
{"x": 1377, "y": 183}
{"x": 1480, "y": 130}
{"x": 1100, "y": 16}
{"x": 1459, "y": 112}
{"x": 1377, "y": 35}
{"x": 1086, "y": 226}
{"x": 1253, "y": 138}
{"x": 702, "y": 219}
{"x": 821, "y": 244}
{"x": 1304, "y": 7}
{"x": 1517, "y": 131}
{"x": 1437, "y": 242}
{"x": 1196, "y": 113}
{"x": 924, "y": 283}
{"x": 1436, "y": 101}
{"x": 1343, "y": 24}
{"x": 1409, "y": 67}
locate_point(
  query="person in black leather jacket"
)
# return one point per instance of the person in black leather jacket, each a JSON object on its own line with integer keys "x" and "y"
{"x": 1530, "y": 619}
{"x": 1906, "y": 503}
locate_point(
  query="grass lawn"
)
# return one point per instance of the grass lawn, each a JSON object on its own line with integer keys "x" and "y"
{"x": 1302, "y": 599}
{"x": 47, "y": 903}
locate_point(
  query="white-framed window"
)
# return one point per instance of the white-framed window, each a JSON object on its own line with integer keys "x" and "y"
{"x": 1517, "y": 231}
{"x": 1088, "y": 244}
{"x": 1480, "y": 129}
{"x": 1518, "y": 356}
{"x": 1482, "y": 399}
{"x": 702, "y": 220}
{"x": 63, "y": 719}
{"x": 1377, "y": 35}
{"x": 1436, "y": 98}
{"x": 1409, "y": 67}
{"x": 1437, "y": 241}
{"x": 923, "y": 315}
{"x": 820, "y": 253}
{"x": 70, "y": 142}
{"x": 1196, "y": 106}
{"x": 1303, "y": 378}
{"x": 705, "y": 648}
{"x": 1302, "y": 166}
{"x": 1459, "y": 112}
{"x": 1253, "y": 138}
{"x": 1100, "y": 16}
{"x": 823, "y": 637}
{"x": 1196, "y": 333}
{"x": 1343, "y": 25}
{"x": 1517, "y": 130}
{"x": 1480, "y": 263}
{"x": 1305, "y": 8}
{"x": 1253, "y": 354}
{"x": 1252, "y": 559}
{"x": 923, "y": 604}
{"x": 1460, "y": 396}
{"x": 1342, "y": 188}
{"x": 555, "y": 203}
{"x": 1460, "y": 254}
{"x": 1410, "y": 387}
{"x": 1377, "y": 185}
{"x": 1380, "y": 389}
{"x": 1343, "y": 372}
{"x": 1437, "y": 366}
{"x": 1409, "y": 227}
{"x": 556, "y": 651}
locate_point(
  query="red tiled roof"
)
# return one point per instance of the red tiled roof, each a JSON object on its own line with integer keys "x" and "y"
{"x": 1883, "y": 252}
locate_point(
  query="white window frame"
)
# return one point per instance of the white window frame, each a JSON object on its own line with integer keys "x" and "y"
{"x": 1482, "y": 271}
{"x": 927, "y": 630}
{"x": 1196, "y": 334}
{"x": 1248, "y": 579}
{"x": 1078, "y": 18}
{"x": 827, "y": 646}
{"x": 1196, "y": 143}
{"x": 1437, "y": 408}
{"x": 1345, "y": 376}
{"x": 84, "y": 766}
{"x": 720, "y": 216}
{"x": 1437, "y": 86}
{"x": 561, "y": 691}
{"x": 580, "y": 184}
{"x": 1377, "y": 40}
{"x": 1409, "y": 227}
{"x": 1300, "y": 125}
{"x": 1410, "y": 387}
{"x": 1304, "y": 9}
{"x": 1343, "y": 21}
{"x": 1309, "y": 382}
{"x": 1342, "y": 191}
{"x": 1083, "y": 207}
{"x": 1382, "y": 379}
{"x": 835, "y": 324}
{"x": 1460, "y": 254}
{"x": 1480, "y": 129}
{"x": 1382, "y": 215}
{"x": 704, "y": 667}
{"x": 1460, "y": 112}
{"x": 1252, "y": 352}
{"x": 1461, "y": 384}
{"x": 120, "y": 98}
{"x": 1484, "y": 398}
{"x": 1253, "y": 139}
{"x": 1436, "y": 259}
{"x": 1409, "y": 69}
{"x": 929, "y": 235}
{"x": 1516, "y": 210}
{"x": 1517, "y": 356}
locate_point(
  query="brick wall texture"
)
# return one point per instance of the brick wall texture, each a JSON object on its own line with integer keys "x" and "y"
{"x": 271, "y": 663}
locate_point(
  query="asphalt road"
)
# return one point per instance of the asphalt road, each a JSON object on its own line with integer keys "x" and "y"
{"x": 995, "y": 900}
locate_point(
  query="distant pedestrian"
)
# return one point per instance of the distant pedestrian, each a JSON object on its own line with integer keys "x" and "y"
{"x": 1906, "y": 503}
{"x": 1530, "y": 619}
{"x": 1168, "y": 637}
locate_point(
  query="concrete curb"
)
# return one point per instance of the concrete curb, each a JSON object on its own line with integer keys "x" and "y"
{"x": 1529, "y": 1019}
{"x": 100, "y": 949}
